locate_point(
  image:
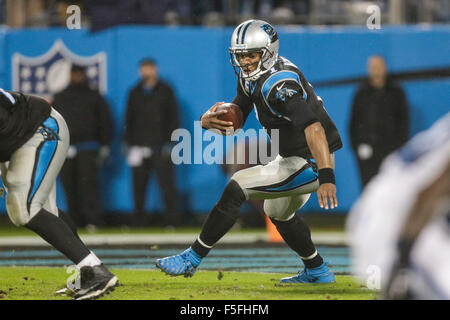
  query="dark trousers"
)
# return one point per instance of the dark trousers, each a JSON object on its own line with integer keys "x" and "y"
{"x": 79, "y": 177}
{"x": 164, "y": 170}
{"x": 369, "y": 168}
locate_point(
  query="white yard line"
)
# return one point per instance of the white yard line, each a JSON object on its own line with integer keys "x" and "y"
{"x": 319, "y": 238}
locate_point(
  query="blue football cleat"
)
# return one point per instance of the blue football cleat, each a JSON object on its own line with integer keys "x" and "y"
{"x": 185, "y": 263}
{"x": 321, "y": 274}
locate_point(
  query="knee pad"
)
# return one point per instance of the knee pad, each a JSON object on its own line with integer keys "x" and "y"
{"x": 16, "y": 180}
{"x": 276, "y": 210}
{"x": 16, "y": 206}
{"x": 283, "y": 209}
{"x": 239, "y": 178}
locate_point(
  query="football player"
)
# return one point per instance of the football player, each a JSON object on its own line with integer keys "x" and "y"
{"x": 283, "y": 100}
{"x": 399, "y": 228}
{"x": 34, "y": 140}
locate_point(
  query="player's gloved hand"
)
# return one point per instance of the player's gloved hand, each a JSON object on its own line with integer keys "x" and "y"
{"x": 327, "y": 191}
{"x": 209, "y": 119}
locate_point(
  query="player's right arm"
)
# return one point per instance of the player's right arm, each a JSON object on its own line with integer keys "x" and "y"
{"x": 209, "y": 119}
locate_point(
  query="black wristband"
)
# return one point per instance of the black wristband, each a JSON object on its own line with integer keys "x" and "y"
{"x": 326, "y": 175}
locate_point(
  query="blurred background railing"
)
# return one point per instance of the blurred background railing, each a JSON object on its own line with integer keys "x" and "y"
{"x": 101, "y": 14}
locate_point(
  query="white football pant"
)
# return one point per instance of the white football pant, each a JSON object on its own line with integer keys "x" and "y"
{"x": 30, "y": 175}
{"x": 285, "y": 183}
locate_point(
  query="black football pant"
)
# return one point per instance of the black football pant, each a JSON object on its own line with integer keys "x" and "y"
{"x": 79, "y": 177}
{"x": 163, "y": 167}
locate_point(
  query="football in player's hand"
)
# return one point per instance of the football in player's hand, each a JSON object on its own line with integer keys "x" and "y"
{"x": 234, "y": 114}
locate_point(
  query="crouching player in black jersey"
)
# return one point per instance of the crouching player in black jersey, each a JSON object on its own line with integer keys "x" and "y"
{"x": 283, "y": 100}
{"x": 34, "y": 140}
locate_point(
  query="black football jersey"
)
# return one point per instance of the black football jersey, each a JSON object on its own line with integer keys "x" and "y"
{"x": 19, "y": 121}
{"x": 283, "y": 99}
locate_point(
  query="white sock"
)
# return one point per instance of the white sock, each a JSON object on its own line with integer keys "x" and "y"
{"x": 91, "y": 260}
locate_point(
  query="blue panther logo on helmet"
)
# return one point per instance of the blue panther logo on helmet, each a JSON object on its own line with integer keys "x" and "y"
{"x": 270, "y": 31}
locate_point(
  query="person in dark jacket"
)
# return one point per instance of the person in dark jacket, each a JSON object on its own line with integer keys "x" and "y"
{"x": 379, "y": 121}
{"x": 88, "y": 117}
{"x": 151, "y": 117}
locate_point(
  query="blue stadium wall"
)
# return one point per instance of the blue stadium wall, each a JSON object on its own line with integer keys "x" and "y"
{"x": 195, "y": 62}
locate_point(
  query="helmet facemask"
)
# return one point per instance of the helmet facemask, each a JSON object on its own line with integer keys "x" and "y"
{"x": 264, "y": 63}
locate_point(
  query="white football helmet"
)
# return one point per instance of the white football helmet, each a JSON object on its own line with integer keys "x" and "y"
{"x": 254, "y": 36}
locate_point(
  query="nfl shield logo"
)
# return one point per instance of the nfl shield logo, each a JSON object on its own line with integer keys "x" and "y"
{"x": 49, "y": 73}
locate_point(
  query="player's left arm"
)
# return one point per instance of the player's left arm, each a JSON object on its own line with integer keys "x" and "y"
{"x": 318, "y": 145}
{"x": 288, "y": 100}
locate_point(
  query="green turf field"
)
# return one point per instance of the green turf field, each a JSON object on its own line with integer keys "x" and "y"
{"x": 22, "y": 283}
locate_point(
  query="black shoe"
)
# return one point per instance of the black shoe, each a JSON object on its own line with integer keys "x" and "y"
{"x": 95, "y": 281}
